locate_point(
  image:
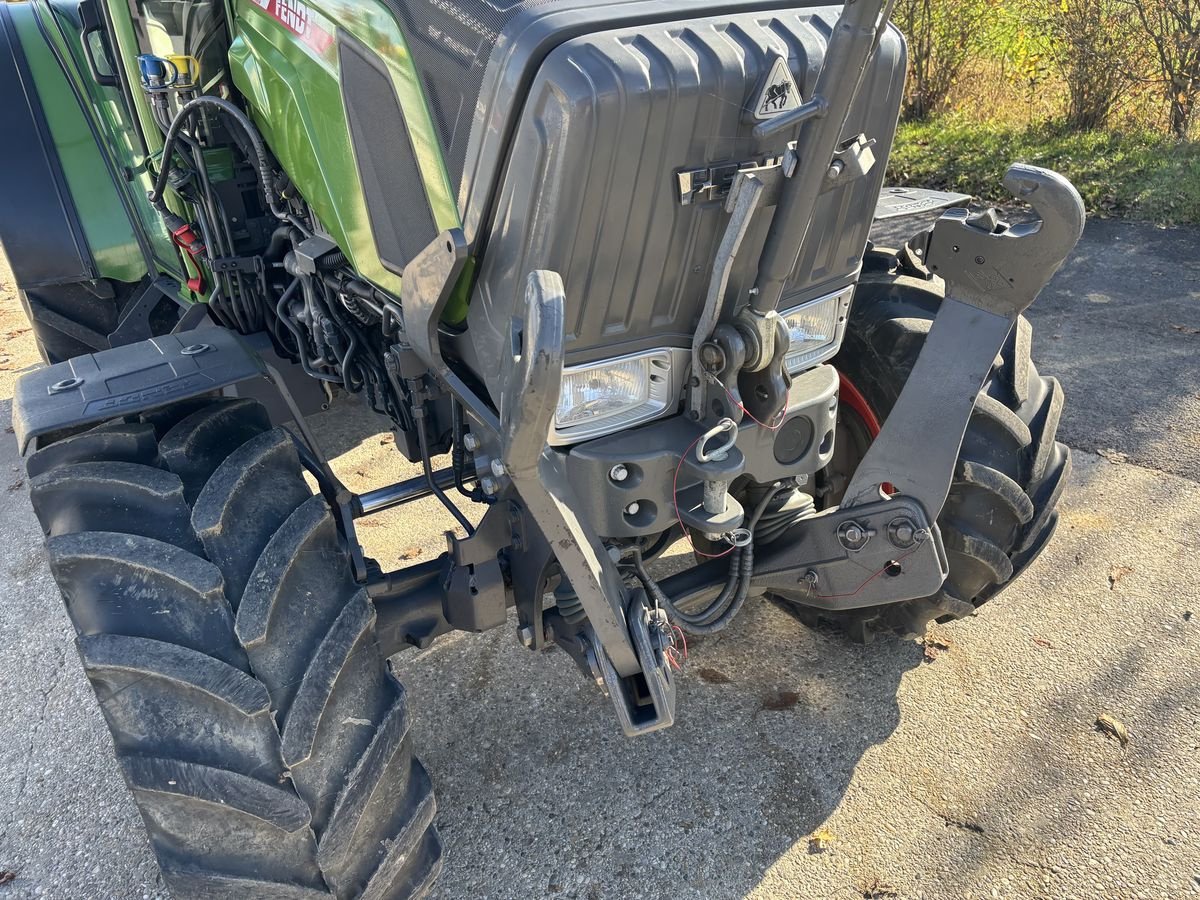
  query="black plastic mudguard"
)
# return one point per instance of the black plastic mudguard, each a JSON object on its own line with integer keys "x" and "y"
{"x": 130, "y": 379}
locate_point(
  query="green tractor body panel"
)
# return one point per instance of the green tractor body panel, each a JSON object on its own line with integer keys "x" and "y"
{"x": 103, "y": 214}
{"x": 92, "y": 142}
{"x": 293, "y": 84}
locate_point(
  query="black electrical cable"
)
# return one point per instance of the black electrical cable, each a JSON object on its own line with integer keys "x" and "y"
{"x": 728, "y": 604}
{"x": 458, "y": 455}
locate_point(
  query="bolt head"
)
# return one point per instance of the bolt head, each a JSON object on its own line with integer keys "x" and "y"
{"x": 618, "y": 473}
{"x": 853, "y": 536}
{"x": 195, "y": 349}
{"x": 633, "y": 508}
{"x": 498, "y": 468}
{"x": 67, "y": 384}
{"x": 902, "y": 532}
{"x": 471, "y": 442}
{"x": 490, "y": 485}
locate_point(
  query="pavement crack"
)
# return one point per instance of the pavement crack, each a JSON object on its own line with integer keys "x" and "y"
{"x": 55, "y": 680}
{"x": 1104, "y": 453}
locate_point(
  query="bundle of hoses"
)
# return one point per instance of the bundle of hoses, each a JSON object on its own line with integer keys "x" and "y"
{"x": 253, "y": 146}
{"x": 725, "y": 606}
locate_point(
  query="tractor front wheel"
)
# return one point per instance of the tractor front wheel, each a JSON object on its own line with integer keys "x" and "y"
{"x": 256, "y": 723}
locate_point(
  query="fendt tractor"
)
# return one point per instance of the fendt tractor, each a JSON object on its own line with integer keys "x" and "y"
{"x": 603, "y": 267}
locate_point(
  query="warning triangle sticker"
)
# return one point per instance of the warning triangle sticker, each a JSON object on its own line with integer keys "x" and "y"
{"x": 779, "y": 94}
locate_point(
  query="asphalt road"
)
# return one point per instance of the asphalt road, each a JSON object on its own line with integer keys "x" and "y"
{"x": 966, "y": 767}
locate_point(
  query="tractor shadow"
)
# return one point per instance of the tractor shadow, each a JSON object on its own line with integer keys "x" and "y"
{"x": 540, "y": 794}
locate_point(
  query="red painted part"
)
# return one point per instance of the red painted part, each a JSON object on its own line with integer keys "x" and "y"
{"x": 853, "y": 398}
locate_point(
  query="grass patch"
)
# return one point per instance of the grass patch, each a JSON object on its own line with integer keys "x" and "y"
{"x": 1131, "y": 175}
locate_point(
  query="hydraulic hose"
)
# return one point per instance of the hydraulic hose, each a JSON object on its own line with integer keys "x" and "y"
{"x": 257, "y": 150}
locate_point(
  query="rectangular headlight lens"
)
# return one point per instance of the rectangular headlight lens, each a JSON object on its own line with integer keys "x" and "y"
{"x": 816, "y": 330}
{"x": 614, "y": 394}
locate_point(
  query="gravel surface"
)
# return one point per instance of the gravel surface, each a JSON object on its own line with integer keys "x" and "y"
{"x": 969, "y": 766}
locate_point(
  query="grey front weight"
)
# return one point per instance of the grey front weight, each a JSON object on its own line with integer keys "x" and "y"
{"x": 619, "y": 638}
{"x": 883, "y": 545}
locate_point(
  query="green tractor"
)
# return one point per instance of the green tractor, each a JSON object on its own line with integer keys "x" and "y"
{"x": 604, "y": 269}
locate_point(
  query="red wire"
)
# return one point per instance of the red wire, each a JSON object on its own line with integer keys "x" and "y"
{"x": 854, "y": 398}
{"x": 863, "y": 586}
{"x": 682, "y": 637}
{"x": 675, "y": 481}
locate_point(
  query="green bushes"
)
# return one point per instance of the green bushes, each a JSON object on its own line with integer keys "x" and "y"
{"x": 1090, "y": 59}
{"x": 1139, "y": 175}
{"x": 1105, "y": 91}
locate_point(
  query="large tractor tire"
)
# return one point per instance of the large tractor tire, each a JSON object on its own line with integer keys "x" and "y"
{"x": 1001, "y": 511}
{"x": 261, "y": 732}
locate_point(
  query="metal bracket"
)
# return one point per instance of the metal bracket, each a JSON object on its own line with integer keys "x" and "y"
{"x": 135, "y": 318}
{"x": 720, "y": 182}
{"x": 993, "y": 273}
{"x": 848, "y": 558}
{"x": 636, "y": 716}
{"x": 743, "y": 203}
{"x": 476, "y": 598}
{"x": 853, "y": 159}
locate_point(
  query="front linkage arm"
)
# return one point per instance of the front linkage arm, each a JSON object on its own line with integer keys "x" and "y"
{"x": 623, "y": 641}
{"x": 875, "y": 548}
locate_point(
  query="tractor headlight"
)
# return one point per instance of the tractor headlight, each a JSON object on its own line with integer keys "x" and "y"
{"x": 599, "y": 398}
{"x": 816, "y": 329}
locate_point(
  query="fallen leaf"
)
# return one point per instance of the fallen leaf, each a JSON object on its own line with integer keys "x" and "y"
{"x": 821, "y": 840}
{"x": 1113, "y": 727}
{"x": 1042, "y": 642}
{"x": 781, "y": 700}
{"x": 1116, "y": 574}
{"x": 1112, "y": 455}
{"x": 936, "y": 646}
{"x": 6, "y": 876}
{"x": 1186, "y": 329}
{"x": 411, "y": 553}
{"x": 714, "y": 676}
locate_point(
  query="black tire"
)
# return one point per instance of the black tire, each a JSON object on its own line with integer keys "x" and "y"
{"x": 1002, "y": 507}
{"x": 70, "y": 320}
{"x": 260, "y": 730}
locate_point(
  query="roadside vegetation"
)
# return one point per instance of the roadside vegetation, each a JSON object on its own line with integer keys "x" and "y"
{"x": 1105, "y": 91}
